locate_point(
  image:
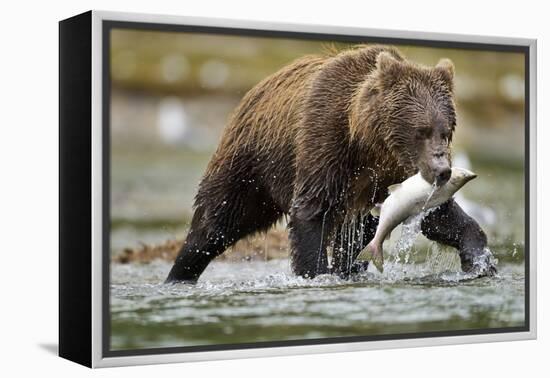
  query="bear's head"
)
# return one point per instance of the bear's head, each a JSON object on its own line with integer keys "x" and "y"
{"x": 408, "y": 111}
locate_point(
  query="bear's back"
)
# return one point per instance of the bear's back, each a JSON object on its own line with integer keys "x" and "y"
{"x": 293, "y": 111}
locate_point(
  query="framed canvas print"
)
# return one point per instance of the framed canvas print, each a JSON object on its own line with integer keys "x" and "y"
{"x": 233, "y": 189}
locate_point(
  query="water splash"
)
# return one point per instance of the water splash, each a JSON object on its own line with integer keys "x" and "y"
{"x": 440, "y": 258}
{"x": 409, "y": 231}
{"x": 227, "y": 278}
{"x": 484, "y": 262}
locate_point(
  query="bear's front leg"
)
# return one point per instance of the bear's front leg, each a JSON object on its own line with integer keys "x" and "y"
{"x": 308, "y": 244}
{"x": 450, "y": 225}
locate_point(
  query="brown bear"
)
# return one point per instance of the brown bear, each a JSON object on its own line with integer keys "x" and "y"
{"x": 320, "y": 141}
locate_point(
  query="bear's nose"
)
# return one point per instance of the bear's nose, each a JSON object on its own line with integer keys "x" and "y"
{"x": 443, "y": 176}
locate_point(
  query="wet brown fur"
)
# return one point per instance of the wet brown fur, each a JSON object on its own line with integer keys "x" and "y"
{"x": 319, "y": 140}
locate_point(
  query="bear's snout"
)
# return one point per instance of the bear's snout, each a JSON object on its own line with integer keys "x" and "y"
{"x": 441, "y": 168}
{"x": 443, "y": 176}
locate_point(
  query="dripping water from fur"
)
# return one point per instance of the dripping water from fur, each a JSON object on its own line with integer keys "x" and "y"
{"x": 321, "y": 242}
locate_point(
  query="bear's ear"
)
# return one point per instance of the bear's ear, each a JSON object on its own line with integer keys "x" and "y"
{"x": 447, "y": 69}
{"x": 386, "y": 62}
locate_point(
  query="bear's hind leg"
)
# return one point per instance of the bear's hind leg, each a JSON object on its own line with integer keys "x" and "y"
{"x": 197, "y": 251}
{"x": 219, "y": 223}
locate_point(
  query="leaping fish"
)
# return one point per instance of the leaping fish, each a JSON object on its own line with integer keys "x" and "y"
{"x": 407, "y": 199}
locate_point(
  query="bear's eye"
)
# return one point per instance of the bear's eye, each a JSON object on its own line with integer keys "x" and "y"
{"x": 446, "y": 135}
{"x": 423, "y": 132}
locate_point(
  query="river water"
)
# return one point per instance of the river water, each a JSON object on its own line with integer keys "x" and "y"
{"x": 250, "y": 301}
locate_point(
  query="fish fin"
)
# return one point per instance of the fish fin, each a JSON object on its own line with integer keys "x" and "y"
{"x": 374, "y": 254}
{"x": 375, "y": 211}
{"x": 393, "y": 188}
{"x": 366, "y": 254}
{"x": 379, "y": 263}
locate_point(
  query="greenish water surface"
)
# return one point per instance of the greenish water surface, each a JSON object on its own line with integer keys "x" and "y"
{"x": 262, "y": 301}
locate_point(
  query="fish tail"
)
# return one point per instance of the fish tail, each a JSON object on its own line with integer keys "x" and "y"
{"x": 373, "y": 252}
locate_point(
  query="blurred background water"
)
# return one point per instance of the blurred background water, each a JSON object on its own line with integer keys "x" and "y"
{"x": 172, "y": 94}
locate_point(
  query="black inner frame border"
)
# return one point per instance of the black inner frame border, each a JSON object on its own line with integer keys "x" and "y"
{"x": 108, "y": 25}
